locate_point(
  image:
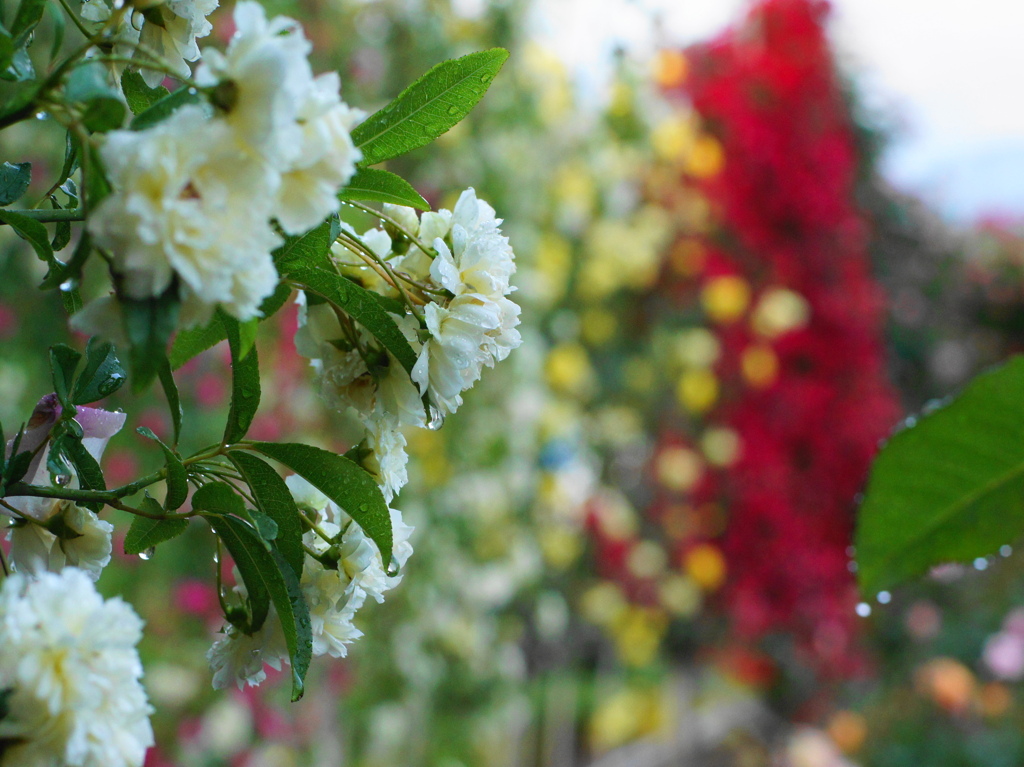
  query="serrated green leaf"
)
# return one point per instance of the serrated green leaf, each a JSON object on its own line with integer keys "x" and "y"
{"x": 341, "y": 480}
{"x": 145, "y": 533}
{"x": 63, "y": 362}
{"x": 267, "y": 573}
{"x": 101, "y": 104}
{"x": 102, "y": 376}
{"x": 361, "y": 305}
{"x": 245, "y": 384}
{"x": 88, "y": 471}
{"x": 30, "y": 230}
{"x": 272, "y": 497}
{"x": 950, "y": 488}
{"x": 177, "y": 477}
{"x": 194, "y": 341}
{"x": 140, "y": 96}
{"x": 305, "y": 250}
{"x": 149, "y": 324}
{"x": 378, "y": 185}
{"x": 14, "y": 181}
{"x": 429, "y": 107}
{"x": 72, "y": 300}
{"x": 173, "y": 400}
{"x": 164, "y": 108}
{"x": 71, "y": 158}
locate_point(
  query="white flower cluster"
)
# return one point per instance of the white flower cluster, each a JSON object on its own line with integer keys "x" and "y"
{"x": 194, "y": 195}
{"x": 167, "y": 29}
{"x": 69, "y": 672}
{"x": 468, "y": 323}
{"x": 333, "y": 594}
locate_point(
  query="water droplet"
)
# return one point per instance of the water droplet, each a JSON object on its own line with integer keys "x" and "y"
{"x": 364, "y": 508}
{"x": 42, "y": 115}
{"x": 111, "y": 384}
{"x": 68, "y": 285}
{"x": 436, "y": 419}
{"x": 62, "y": 479}
{"x": 453, "y": 110}
{"x": 884, "y": 597}
{"x": 192, "y": 91}
{"x": 1005, "y": 550}
{"x": 216, "y": 558}
{"x": 486, "y": 78}
{"x": 147, "y": 554}
{"x": 393, "y": 569}
{"x": 981, "y": 563}
{"x": 863, "y": 609}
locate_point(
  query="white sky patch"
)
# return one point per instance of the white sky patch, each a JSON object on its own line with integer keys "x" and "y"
{"x": 947, "y": 76}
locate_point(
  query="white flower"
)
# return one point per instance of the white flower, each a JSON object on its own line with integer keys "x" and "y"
{"x": 69, "y": 659}
{"x": 175, "y": 211}
{"x": 323, "y": 157}
{"x": 389, "y": 458}
{"x": 170, "y": 30}
{"x": 35, "y": 550}
{"x": 238, "y": 657}
{"x": 332, "y": 606}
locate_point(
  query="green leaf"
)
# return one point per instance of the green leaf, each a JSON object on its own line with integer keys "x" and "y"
{"x": 6, "y": 48}
{"x": 173, "y": 399}
{"x": 31, "y": 231}
{"x": 102, "y": 107}
{"x": 341, "y": 480}
{"x": 272, "y": 497}
{"x": 245, "y": 383}
{"x": 25, "y": 20}
{"x": 145, "y": 533}
{"x": 63, "y": 362}
{"x": 90, "y": 476}
{"x": 177, "y": 477}
{"x": 160, "y": 110}
{"x": 265, "y": 526}
{"x": 72, "y": 300}
{"x": 266, "y": 572}
{"x": 428, "y": 107}
{"x": 950, "y": 488}
{"x": 218, "y": 498}
{"x": 193, "y": 341}
{"x": 140, "y": 96}
{"x": 305, "y": 250}
{"x": 149, "y": 323}
{"x": 361, "y": 305}
{"x": 71, "y": 158}
{"x": 95, "y": 181}
{"x": 14, "y": 181}
{"x": 59, "y": 26}
{"x": 103, "y": 374}
{"x": 381, "y": 186}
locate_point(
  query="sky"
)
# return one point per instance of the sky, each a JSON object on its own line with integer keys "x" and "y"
{"x": 946, "y": 77}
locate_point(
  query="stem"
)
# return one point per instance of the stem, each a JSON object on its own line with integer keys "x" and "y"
{"x": 50, "y": 216}
{"x": 75, "y": 19}
{"x": 371, "y": 258}
{"x": 385, "y": 217}
{"x": 3, "y": 561}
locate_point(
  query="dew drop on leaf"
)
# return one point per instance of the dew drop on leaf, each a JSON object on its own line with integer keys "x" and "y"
{"x": 863, "y": 609}
{"x": 147, "y": 554}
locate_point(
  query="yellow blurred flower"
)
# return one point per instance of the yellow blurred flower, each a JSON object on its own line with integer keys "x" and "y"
{"x": 679, "y": 468}
{"x": 706, "y": 158}
{"x": 725, "y": 298}
{"x": 721, "y": 446}
{"x": 554, "y": 264}
{"x": 567, "y": 370}
{"x": 760, "y": 366}
{"x": 603, "y": 604}
{"x": 697, "y": 390}
{"x": 779, "y": 311}
{"x": 561, "y": 546}
{"x": 948, "y": 682}
{"x": 706, "y": 565}
{"x": 646, "y": 559}
{"x": 848, "y": 730}
{"x": 597, "y": 326}
{"x": 670, "y": 68}
{"x": 674, "y": 138}
{"x": 680, "y": 596}
{"x": 625, "y": 715}
{"x": 637, "y": 633}
{"x": 697, "y": 347}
